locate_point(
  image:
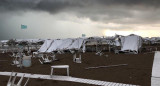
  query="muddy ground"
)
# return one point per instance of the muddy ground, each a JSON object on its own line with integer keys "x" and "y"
{"x": 137, "y": 71}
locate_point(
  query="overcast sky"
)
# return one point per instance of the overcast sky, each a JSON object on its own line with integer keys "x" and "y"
{"x": 72, "y": 18}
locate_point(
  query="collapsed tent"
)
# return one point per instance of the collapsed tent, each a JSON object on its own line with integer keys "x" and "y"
{"x": 77, "y": 44}
{"x": 54, "y": 45}
{"x": 29, "y": 40}
{"x": 4, "y": 41}
{"x": 63, "y": 44}
{"x": 131, "y": 43}
{"x": 117, "y": 43}
{"x": 45, "y": 46}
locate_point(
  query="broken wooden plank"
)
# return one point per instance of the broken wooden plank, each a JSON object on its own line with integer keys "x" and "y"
{"x": 106, "y": 66}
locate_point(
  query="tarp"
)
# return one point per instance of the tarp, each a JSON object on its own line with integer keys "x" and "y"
{"x": 117, "y": 43}
{"x": 77, "y": 44}
{"x": 62, "y": 44}
{"x": 132, "y": 42}
{"x": 45, "y": 45}
{"x": 65, "y": 44}
{"x": 54, "y": 46}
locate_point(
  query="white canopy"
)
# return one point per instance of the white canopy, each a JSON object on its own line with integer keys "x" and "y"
{"x": 4, "y": 41}
{"x": 77, "y": 43}
{"x": 63, "y": 44}
{"x": 54, "y": 46}
{"x": 117, "y": 43}
{"x": 132, "y": 42}
{"x": 45, "y": 46}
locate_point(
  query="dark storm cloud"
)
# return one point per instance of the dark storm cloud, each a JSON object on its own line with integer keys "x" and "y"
{"x": 111, "y": 14}
{"x": 117, "y": 11}
{"x": 45, "y": 5}
{"x": 54, "y": 5}
{"x": 154, "y": 3}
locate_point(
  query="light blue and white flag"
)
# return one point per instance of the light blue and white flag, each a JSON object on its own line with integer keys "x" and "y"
{"x": 83, "y": 35}
{"x": 23, "y": 26}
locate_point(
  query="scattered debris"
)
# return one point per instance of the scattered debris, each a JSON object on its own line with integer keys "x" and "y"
{"x": 12, "y": 82}
{"x": 106, "y": 66}
{"x": 100, "y": 53}
{"x": 45, "y": 60}
{"x": 77, "y": 60}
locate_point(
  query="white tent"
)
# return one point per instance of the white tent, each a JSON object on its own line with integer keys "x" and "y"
{"x": 4, "y": 41}
{"x": 117, "y": 43}
{"x": 54, "y": 46}
{"x": 65, "y": 44}
{"x": 45, "y": 46}
{"x": 77, "y": 44}
{"x": 62, "y": 44}
{"x": 131, "y": 43}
